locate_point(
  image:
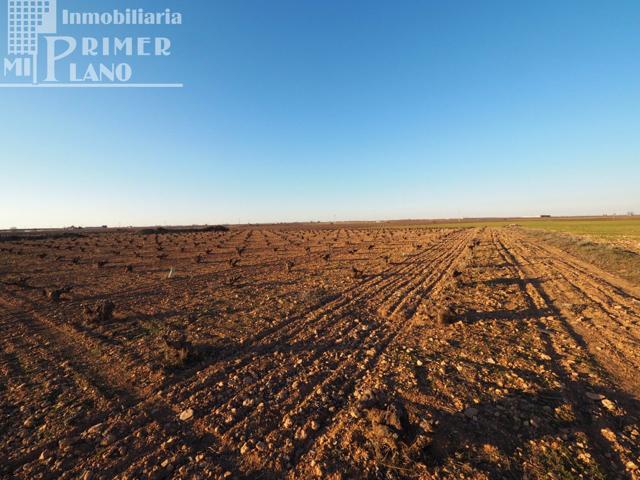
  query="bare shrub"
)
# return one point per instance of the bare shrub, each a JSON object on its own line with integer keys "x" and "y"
{"x": 101, "y": 313}
{"x": 176, "y": 349}
{"x": 55, "y": 294}
{"x": 446, "y": 316}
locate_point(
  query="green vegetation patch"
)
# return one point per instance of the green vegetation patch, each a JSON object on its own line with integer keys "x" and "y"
{"x": 612, "y": 258}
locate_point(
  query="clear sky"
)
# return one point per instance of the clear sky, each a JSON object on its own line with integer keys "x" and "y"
{"x": 341, "y": 109}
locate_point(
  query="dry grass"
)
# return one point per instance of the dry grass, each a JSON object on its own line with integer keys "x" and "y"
{"x": 612, "y": 258}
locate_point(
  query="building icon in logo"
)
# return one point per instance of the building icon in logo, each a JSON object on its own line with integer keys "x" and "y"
{"x": 26, "y": 20}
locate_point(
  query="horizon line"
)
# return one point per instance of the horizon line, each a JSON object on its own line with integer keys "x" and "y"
{"x": 294, "y": 222}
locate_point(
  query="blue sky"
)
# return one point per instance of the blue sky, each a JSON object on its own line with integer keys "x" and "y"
{"x": 332, "y": 110}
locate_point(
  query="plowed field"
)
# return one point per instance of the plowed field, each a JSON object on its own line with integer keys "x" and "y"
{"x": 313, "y": 352}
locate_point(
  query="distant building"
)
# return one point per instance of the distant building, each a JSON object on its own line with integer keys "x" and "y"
{"x": 545, "y": 216}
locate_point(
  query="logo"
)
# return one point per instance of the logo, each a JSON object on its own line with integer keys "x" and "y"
{"x": 51, "y": 48}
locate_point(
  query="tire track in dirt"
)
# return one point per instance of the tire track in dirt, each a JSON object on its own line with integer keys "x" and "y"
{"x": 613, "y": 289}
{"x": 609, "y": 304}
{"x": 359, "y": 346}
{"x": 340, "y": 421}
{"x": 286, "y": 330}
{"x": 575, "y": 391}
{"x": 626, "y": 364}
{"x": 336, "y": 310}
{"x": 363, "y": 291}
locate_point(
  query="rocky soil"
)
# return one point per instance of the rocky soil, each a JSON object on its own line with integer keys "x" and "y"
{"x": 315, "y": 352}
